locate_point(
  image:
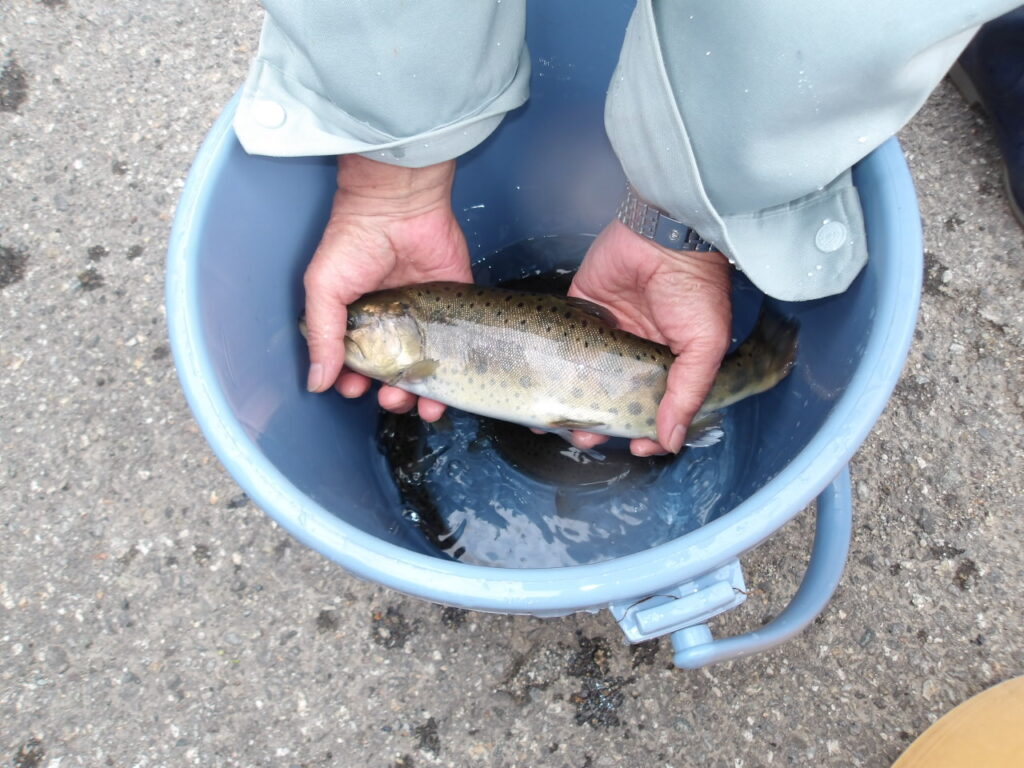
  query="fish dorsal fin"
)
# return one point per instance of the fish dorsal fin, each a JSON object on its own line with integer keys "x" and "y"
{"x": 602, "y": 313}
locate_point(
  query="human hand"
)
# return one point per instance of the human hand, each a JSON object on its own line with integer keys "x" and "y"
{"x": 680, "y": 299}
{"x": 389, "y": 226}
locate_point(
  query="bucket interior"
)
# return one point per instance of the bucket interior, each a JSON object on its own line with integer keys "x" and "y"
{"x": 547, "y": 170}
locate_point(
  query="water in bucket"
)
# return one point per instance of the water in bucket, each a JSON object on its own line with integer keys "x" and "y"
{"x": 491, "y": 493}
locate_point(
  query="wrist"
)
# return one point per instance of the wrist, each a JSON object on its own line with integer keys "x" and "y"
{"x": 369, "y": 187}
{"x": 705, "y": 260}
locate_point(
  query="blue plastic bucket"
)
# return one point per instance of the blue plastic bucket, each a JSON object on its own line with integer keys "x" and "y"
{"x": 246, "y": 227}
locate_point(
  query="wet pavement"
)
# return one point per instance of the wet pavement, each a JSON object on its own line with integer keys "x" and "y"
{"x": 151, "y": 615}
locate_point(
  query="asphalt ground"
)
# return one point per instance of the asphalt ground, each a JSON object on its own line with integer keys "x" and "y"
{"x": 151, "y": 615}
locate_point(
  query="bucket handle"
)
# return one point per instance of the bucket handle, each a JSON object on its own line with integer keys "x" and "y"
{"x": 694, "y": 646}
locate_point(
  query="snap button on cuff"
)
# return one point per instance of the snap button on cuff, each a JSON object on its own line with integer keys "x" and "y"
{"x": 830, "y": 236}
{"x": 269, "y": 114}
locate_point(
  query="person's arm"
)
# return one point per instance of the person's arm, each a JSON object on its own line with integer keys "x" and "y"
{"x": 389, "y": 226}
{"x": 742, "y": 120}
{"x": 397, "y": 90}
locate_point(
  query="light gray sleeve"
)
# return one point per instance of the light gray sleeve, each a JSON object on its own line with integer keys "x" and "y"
{"x": 742, "y": 119}
{"x": 407, "y": 83}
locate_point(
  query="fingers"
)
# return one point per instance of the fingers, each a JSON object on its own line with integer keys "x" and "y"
{"x": 352, "y": 384}
{"x": 395, "y": 399}
{"x": 326, "y": 318}
{"x": 399, "y": 401}
{"x": 644, "y": 447}
{"x": 430, "y": 410}
{"x": 689, "y": 381}
{"x": 586, "y": 440}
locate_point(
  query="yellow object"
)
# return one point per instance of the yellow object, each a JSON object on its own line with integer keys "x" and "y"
{"x": 986, "y": 731}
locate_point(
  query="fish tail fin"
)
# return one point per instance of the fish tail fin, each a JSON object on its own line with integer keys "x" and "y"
{"x": 775, "y": 340}
{"x": 758, "y": 364}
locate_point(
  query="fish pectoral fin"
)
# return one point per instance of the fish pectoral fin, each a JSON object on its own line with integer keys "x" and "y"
{"x": 575, "y": 424}
{"x": 415, "y": 372}
{"x": 705, "y": 431}
{"x": 602, "y": 313}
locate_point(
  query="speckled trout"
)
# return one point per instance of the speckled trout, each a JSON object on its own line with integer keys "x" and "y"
{"x": 551, "y": 362}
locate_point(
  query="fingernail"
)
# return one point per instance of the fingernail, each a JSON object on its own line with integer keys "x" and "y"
{"x": 675, "y": 442}
{"x": 314, "y": 383}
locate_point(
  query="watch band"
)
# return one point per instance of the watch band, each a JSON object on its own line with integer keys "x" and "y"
{"x": 654, "y": 224}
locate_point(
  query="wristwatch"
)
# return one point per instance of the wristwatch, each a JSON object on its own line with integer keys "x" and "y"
{"x": 656, "y": 225}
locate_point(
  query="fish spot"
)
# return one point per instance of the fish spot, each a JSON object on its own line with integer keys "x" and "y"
{"x": 650, "y": 422}
{"x": 577, "y": 392}
{"x": 520, "y": 305}
{"x": 634, "y": 408}
{"x": 508, "y": 299}
{"x": 613, "y": 411}
{"x": 629, "y": 426}
{"x": 525, "y": 381}
{"x": 568, "y": 315}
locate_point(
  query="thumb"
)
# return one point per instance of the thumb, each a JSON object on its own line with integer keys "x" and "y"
{"x": 689, "y": 381}
{"x": 326, "y": 319}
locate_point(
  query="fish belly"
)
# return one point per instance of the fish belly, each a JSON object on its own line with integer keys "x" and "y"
{"x": 535, "y": 381}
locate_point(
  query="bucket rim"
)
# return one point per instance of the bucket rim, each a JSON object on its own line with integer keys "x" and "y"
{"x": 570, "y": 588}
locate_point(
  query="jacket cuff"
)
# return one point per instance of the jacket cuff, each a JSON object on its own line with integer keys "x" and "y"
{"x": 805, "y": 249}
{"x": 278, "y": 116}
